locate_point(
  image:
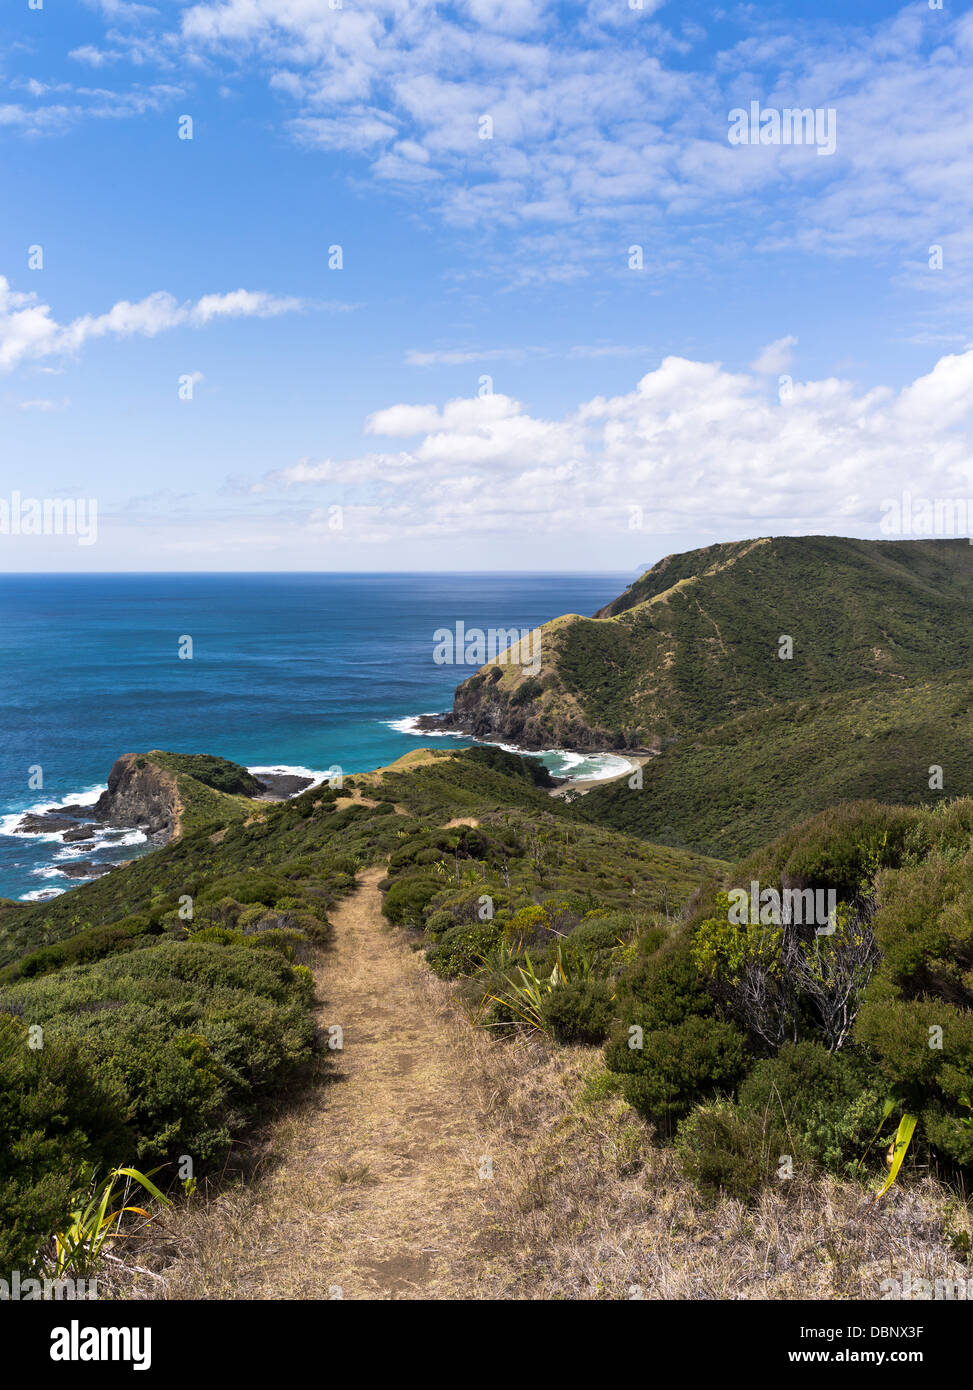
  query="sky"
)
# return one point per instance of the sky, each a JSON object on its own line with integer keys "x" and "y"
{"x": 394, "y": 285}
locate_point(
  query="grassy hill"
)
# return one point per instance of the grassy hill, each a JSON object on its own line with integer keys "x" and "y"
{"x": 174, "y": 994}
{"x": 186, "y": 791}
{"x": 727, "y": 789}
{"x": 697, "y": 640}
{"x": 167, "y": 1033}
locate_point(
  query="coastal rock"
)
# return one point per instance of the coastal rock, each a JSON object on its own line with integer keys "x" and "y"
{"x": 140, "y": 794}
{"x": 44, "y": 823}
{"x": 86, "y": 869}
{"x": 491, "y": 711}
{"x": 80, "y": 832}
{"x": 278, "y": 786}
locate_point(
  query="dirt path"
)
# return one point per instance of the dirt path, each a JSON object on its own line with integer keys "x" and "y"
{"x": 372, "y": 1190}
{"x": 377, "y": 1192}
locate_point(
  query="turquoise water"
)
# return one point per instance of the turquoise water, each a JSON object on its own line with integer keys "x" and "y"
{"x": 301, "y": 671}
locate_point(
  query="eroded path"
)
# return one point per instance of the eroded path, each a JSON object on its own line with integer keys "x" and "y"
{"x": 377, "y": 1191}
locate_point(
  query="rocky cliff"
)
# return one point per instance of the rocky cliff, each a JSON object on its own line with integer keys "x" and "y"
{"x": 143, "y": 795}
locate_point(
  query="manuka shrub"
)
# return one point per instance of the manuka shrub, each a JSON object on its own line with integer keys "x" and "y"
{"x": 841, "y": 848}
{"x": 678, "y": 1066}
{"x": 924, "y": 1053}
{"x": 579, "y": 1011}
{"x": 662, "y": 987}
{"x": 59, "y": 1118}
{"x": 462, "y": 948}
{"x": 407, "y": 899}
{"x": 728, "y": 1151}
{"x": 187, "y": 1034}
{"x": 830, "y": 1104}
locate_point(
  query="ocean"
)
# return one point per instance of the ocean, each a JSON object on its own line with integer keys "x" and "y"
{"x": 293, "y": 671}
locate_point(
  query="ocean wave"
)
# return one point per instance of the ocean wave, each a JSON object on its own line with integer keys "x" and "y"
{"x": 409, "y": 725}
{"x": 40, "y": 894}
{"x": 127, "y": 837}
{"x": 12, "y": 819}
{"x": 122, "y": 840}
{"x": 596, "y": 767}
{"x": 293, "y": 770}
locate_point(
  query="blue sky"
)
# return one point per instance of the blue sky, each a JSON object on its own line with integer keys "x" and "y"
{"x": 784, "y": 360}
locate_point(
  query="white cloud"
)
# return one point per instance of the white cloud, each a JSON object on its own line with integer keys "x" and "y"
{"x": 608, "y": 120}
{"x": 95, "y": 57}
{"x": 45, "y": 405}
{"x": 695, "y": 446}
{"x": 775, "y": 357}
{"x": 28, "y": 330}
{"x": 456, "y": 357}
{"x": 603, "y": 121}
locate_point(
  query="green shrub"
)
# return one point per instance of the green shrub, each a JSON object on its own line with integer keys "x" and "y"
{"x": 924, "y": 922}
{"x": 663, "y": 987}
{"x": 677, "y": 1067}
{"x": 439, "y": 922}
{"x": 218, "y": 773}
{"x": 829, "y": 1103}
{"x": 58, "y": 1117}
{"x": 579, "y": 1011}
{"x": 605, "y": 930}
{"x": 924, "y": 1054}
{"x": 253, "y": 887}
{"x": 89, "y": 945}
{"x": 188, "y": 1033}
{"x": 729, "y": 1151}
{"x": 462, "y": 948}
{"x": 842, "y": 848}
{"x": 407, "y": 899}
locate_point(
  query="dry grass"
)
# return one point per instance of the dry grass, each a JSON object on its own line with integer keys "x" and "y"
{"x": 597, "y": 1211}
{"x": 372, "y": 1183}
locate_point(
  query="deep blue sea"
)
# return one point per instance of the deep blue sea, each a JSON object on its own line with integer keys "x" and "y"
{"x": 288, "y": 670}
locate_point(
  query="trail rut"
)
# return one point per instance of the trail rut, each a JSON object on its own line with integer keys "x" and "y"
{"x": 376, "y": 1191}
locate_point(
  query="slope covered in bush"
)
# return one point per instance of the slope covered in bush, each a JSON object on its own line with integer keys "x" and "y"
{"x": 527, "y": 892}
{"x": 698, "y": 639}
{"x": 748, "y": 1040}
{"x": 147, "y": 1016}
{"x": 728, "y": 789}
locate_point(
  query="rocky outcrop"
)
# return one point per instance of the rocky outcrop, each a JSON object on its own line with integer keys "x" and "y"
{"x": 278, "y": 786}
{"x": 86, "y": 869}
{"x": 495, "y": 718}
{"x": 140, "y": 795}
{"x": 497, "y": 714}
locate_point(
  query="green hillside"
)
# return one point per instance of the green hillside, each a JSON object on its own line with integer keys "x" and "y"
{"x": 174, "y": 993}
{"x": 192, "y": 790}
{"x": 697, "y": 640}
{"x": 809, "y": 1039}
{"x": 727, "y": 789}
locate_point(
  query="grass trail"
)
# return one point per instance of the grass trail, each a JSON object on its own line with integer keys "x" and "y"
{"x": 375, "y": 1189}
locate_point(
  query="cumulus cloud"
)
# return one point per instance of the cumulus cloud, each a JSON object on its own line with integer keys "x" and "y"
{"x": 604, "y": 122}
{"x": 691, "y": 447}
{"x": 29, "y": 331}
{"x": 607, "y": 116}
{"x": 775, "y": 357}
